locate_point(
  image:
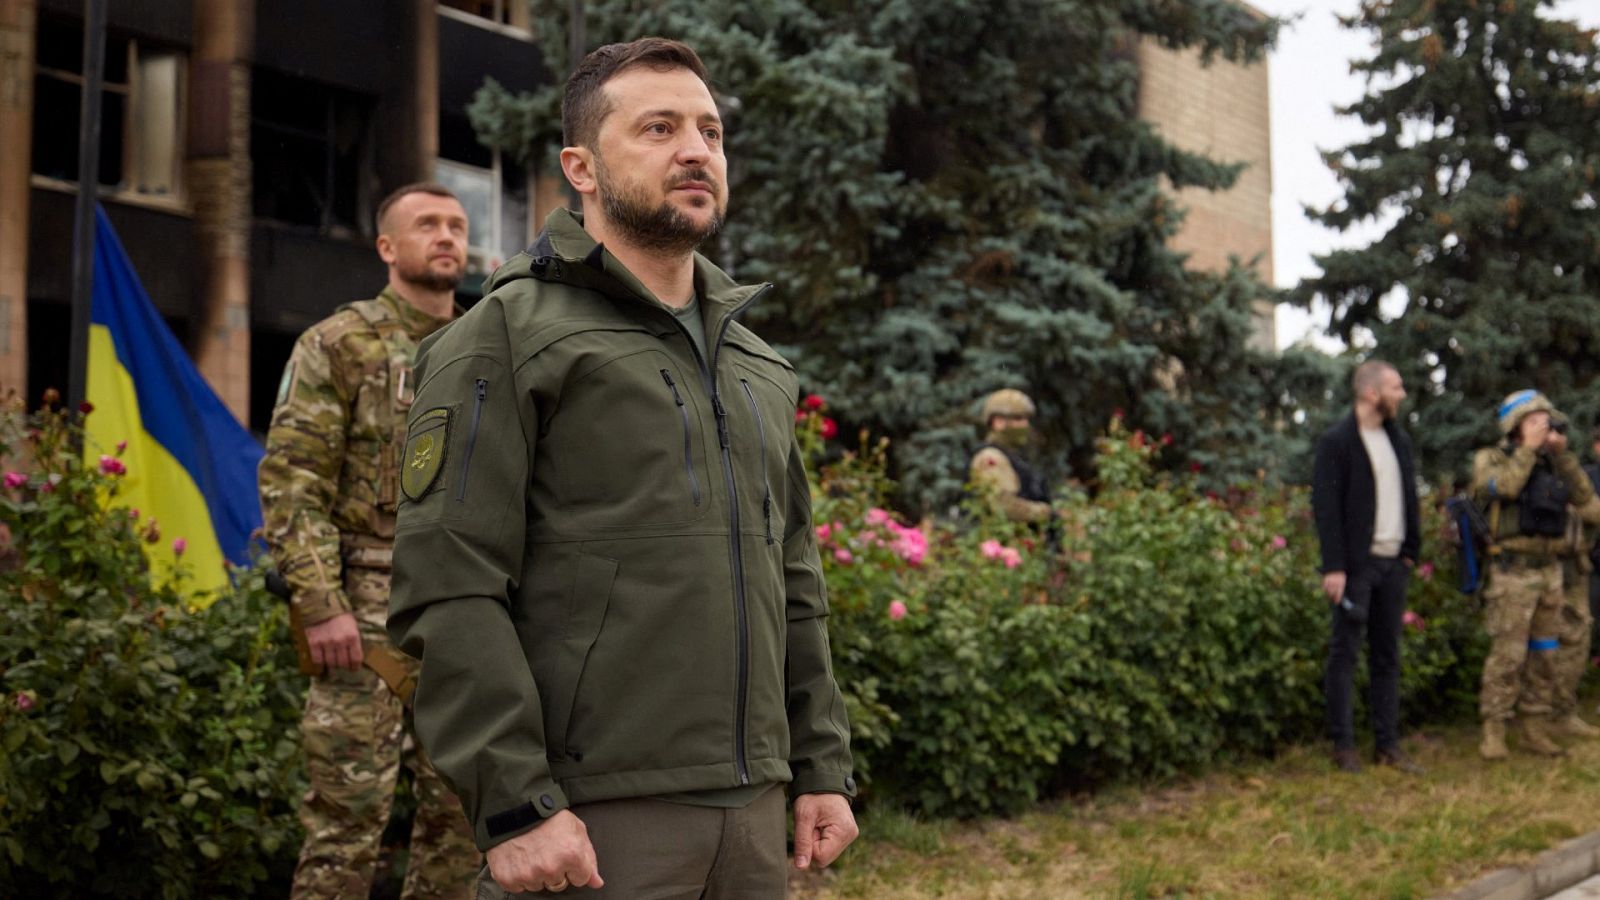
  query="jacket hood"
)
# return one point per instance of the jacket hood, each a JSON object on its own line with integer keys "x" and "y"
{"x": 565, "y": 253}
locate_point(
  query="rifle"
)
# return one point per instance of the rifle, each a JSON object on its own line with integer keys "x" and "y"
{"x": 388, "y": 662}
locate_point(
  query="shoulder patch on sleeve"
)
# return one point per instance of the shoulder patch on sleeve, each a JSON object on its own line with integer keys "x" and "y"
{"x": 286, "y": 384}
{"x": 426, "y": 443}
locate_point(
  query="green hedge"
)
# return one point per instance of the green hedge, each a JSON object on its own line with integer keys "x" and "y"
{"x": 150, "y": 747}
{"x": 1170, "y": 630}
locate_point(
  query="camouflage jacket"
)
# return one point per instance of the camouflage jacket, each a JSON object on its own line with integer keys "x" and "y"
{"x": 330, "y": 477}
{"x": 1498, "y": 476}
{"x": 1020, "y": 496}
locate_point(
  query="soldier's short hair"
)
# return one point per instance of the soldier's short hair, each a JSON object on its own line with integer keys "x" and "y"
{"x": 584, "y": 105}
{"x": 416, "y": 187}
{"x": 1368, "y": 375}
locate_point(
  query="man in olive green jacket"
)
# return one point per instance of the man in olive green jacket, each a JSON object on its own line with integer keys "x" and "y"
{"x": 605, "y": 557}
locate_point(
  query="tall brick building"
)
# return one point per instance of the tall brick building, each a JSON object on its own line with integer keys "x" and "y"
{"x": 1220, "y": 110}
{"x": 246, "y": 144}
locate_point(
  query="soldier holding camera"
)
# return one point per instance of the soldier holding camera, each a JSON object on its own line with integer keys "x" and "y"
{"x": 1533, "y": 488}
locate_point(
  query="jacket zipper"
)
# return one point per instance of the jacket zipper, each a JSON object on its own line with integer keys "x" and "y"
{"x": 741, "y": 614}
{"x": 472, "y": 437}
{"x": 766, "y": 483}
{"x": 688, "y": 446}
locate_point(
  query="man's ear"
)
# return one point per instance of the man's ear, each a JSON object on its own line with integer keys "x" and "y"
{"x": 577, "y": 163}
{"x": 385, "y": 245}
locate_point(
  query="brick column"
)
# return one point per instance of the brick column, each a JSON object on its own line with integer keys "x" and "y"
{"x": 17, "y": 28}
{"x": 219, "y": 186}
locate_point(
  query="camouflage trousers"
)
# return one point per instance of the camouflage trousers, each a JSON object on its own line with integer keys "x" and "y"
{"x": 1574, "y": 633}
{"x": 357, "y": 736}
{"x": 1522, "y": 613}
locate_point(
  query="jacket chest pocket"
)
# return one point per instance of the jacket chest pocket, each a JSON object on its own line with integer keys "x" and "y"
{"x": 628, "y": 447}
{"x": 762, "y": 415}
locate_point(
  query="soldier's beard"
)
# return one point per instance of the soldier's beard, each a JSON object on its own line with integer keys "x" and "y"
{"x": 662, "y": 228}
{"x": 1012, "y": 438}
{"x": 427, "y": 278}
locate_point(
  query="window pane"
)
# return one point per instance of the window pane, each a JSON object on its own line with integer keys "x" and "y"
{"x": 475, "y": 187}
{"x": 156, "y": 131}
{"x": 55, "y": 131}
{"x": 55, "y": 128}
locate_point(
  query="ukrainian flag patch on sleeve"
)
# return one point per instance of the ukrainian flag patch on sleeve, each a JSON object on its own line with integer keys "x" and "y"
{"x": 426, "y": 443}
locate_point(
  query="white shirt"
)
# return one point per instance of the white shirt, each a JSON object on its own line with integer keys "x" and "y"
{"x": 1389, "y": 526}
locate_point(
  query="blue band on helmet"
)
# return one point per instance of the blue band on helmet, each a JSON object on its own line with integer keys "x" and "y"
{"x": 1544, "y": 644}
{"x": 1514, "y": 401}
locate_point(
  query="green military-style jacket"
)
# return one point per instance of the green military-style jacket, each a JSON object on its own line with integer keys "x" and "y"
{"x": 1499, "y": 475}
{"x": 330, "y": 478}
{"x": 605, "y": 559}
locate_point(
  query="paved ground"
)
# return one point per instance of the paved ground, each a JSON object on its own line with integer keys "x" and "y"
{"x": 1584, "y": 890}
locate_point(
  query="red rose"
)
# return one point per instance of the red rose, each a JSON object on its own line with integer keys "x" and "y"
{"x": 830, "y": 429}
{"x": 812, "y": 401}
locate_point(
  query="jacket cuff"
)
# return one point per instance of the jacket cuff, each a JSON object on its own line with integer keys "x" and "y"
{"x": 316, "y": 606}
{"x": 823, "y": 782}
{"x": 502, "y": 826}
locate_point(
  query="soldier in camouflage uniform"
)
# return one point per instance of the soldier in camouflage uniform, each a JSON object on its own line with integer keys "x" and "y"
{"x": 1018, "y": 489}
{"x": 329, "y": 484}
{"x": 1577, "y": 621}
{"x": 1532, "y": 487}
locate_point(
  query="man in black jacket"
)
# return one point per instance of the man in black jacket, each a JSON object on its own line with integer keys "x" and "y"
{"x": 1364, "y": 496}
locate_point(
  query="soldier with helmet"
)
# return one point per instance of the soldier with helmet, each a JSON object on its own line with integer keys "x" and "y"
{"x": 1019, "y": 490}
{"x": 1531, "y": 486}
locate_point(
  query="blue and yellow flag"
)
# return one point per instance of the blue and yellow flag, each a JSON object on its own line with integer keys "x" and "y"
{"x": 189, "y": 464}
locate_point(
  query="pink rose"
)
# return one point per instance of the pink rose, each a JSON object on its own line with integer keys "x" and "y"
{"x": 1413, "y": 621}
{"x": 1425, "y": 571}
{"x": 824, "y": 531}
{"x": 110, "y": 465}
{"x": 843, "y": 556}
{"x": 1010, "y": 557}
{"x": 1279, "y": 542}
{"x": 991, "y": 549}
{"x": 24, "y": 702}
{"x": 876, "y": 516}
{"x": 911, "y": 545}
{"x": 178, "y": 546}
{"x": 133, "y": 513}
{"x": 897, "y": 610}
{"x": 121, "y": 446}
{"x": 15, "y": 480}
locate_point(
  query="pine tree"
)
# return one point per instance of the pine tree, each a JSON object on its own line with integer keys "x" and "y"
{"x": 956, "y": 196}
{"x": 1483, "y": 162}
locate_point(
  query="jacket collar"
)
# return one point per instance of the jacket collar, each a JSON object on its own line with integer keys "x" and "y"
{"x": 564, "y": 252}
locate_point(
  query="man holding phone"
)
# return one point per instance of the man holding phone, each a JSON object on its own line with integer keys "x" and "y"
{"x": 1364, "y": 496}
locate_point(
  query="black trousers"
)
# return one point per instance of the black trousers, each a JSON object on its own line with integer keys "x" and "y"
{"x": 1382, "y": 583}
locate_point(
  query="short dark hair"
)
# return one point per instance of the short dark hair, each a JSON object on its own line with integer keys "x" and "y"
{"x": 1368, "y": 374}
{"x": 416, "y": 187}
{"x": 584, "y": 105}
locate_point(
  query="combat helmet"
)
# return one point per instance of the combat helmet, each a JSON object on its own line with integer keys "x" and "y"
{"x": 1006, "y": 402}
{"x": 1517, "y": 406}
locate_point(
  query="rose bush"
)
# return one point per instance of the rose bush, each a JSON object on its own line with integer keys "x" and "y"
{"x": 148, "y": 748}
{"x": 1166, "y": 629}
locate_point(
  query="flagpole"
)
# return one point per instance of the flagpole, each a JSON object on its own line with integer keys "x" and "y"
{"x": 94, "y": 56}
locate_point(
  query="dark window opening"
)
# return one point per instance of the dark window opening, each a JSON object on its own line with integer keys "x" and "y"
{"x": 458, "y": 140}
{"x": 58, "y": 95}
{"x": 269, "y": 353}
{"x": 307, "y": 145}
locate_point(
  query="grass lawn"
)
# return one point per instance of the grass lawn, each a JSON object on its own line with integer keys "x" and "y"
{"x": 1289, "y": 827}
